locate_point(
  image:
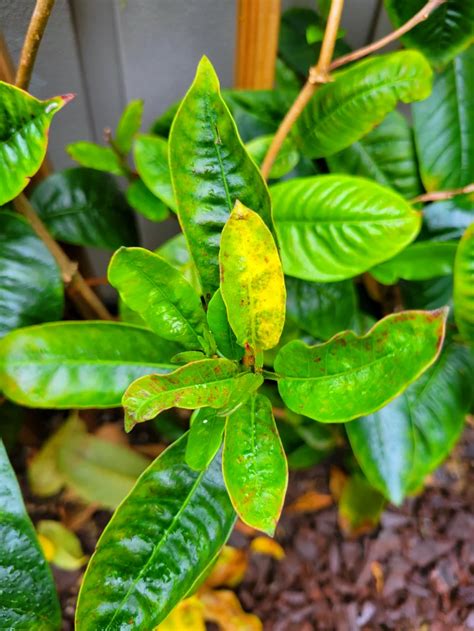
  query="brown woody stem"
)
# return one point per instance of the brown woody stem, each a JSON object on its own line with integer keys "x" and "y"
{"x": 438, "y": 196}
{"x": 34, "y": 35}
{"x": 319, "y": 74}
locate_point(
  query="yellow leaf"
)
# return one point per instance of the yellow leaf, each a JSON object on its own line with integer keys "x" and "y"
{"x": 186, "y": 616}
{"x": 252, "y": 282}
{"x": 223, "y": 608}
{"x": 267, "y": 546}
{"x": 61, "y": 546}
{"x": 310, "y": 502}
{"x": 47, "y": 546}
{"x": 229, "y": 569}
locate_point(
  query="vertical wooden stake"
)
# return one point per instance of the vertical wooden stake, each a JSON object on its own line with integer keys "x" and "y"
{"x": 258, "y": 23}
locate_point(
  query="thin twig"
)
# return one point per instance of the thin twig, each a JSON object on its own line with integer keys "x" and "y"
{"x": 438, "y": 196}
{"x": 419, "y": 17}
{"x": 32, "y": 42}
{"x": 317, "y": 75}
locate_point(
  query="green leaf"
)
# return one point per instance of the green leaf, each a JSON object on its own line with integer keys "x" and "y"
{"x": 24, "y": 125}
{"x": 210, "y": 170}
{"x": 128, "y": 125}
{"x": 31, "y": 288}
{"x": 28, "y": 598}
{"x": 93, "y": 156}
{"x": 447, "y": 31}
{"x": 333, "y": 227}
{"x": 176, "y": 252}
{"x": 408, "y": 438}
{"x": 386, "y": 155}
{"x": 252, "y": 283}
{"x": 254, "y": 464}
{"x": 214, "y": 383}
{"x": 204, "y": 438}
{"x": 78, "y": 364}
{"x": 447, "y": 220}
{"x": 162, "y": 296}
{"x": 151, "y": 159}
{"x": 320, "y": 309}
{"x": 464, "y": 285}
{"x": 220, "y": 328}
{"x": 142, "y": 199}
{"x": 350, "y": 376}
{"x": 444, "y": 127}
{"x": 187, "y": 356}
{"x": 137, "y": 575}
{"x": 428, "y": 294}
{"x": 286, "y": 160}
{"x": 343, "y": 111}
{"x": 85, "y": 207}
{"x": 419, "y": 261}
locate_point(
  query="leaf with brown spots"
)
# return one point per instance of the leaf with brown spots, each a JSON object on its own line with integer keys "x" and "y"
{"x": 351, "y": 376}
{"x": 252, "y": 282}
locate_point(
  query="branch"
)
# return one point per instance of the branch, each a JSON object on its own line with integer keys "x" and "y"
{"x": 32, "y": 42}
{"x": 419, "y": 17}
{"x": 317, "y": 75}
{"x": 438, "y": 196}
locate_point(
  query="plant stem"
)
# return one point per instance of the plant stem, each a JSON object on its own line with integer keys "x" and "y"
{"x": 32, "y": 42}
{"x": 317, "y": 75}
{"x": 87, "y": 302}
{"x": 419, "y": 17}
{"x": 437, "y": 196}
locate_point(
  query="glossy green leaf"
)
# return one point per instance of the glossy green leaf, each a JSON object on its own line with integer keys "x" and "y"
{"x": 286, "y": 160}
{"x": 78, "y": 364}
{"x": 320, "y": 309}
{"x": 447, "y": 31}
{"x": 210, "y": 170}
{"x": 386, "y": 155}
{"x": 28, "y": 598}
{"x": 139, "y": 575}
{"x": 350, "y": 376}
{"x": 464, "y": 285}
{"x": 447, "y": 220}
{"x": 31, "y": 288}
{"x": 204, "y": 438}
{"x": 93, "y": 156}
{"x": 24, "y": 125}
{"x": 419, "y": 261}
{"x": 85, "y": 207}
{"x": 427, "y": 294}
{"x": 252, "y": 283}
{"x": 408, "y": 438}
{"x": 128, "y": 125}
{"x": 444, "y": 127}
{"x": 343, "y": 111}
{"x": 176, "y": 252}
{"x": 162, "y": 296}
{"x": 142, "y": 199}
{"x": 151, "y": 159}
{"x": 333, "y": 227}
{"x": 214, "y": 383}
{"x": 254, "y": 464}
{"x": 220, "y": 328}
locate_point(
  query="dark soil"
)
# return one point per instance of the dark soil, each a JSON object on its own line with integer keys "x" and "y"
{"x": 415, "y": 572}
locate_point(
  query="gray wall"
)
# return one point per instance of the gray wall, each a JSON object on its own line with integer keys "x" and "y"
{"x": 111, "y": 51}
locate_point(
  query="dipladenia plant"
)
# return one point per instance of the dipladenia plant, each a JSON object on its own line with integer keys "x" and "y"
{"x": 328, "y": 296}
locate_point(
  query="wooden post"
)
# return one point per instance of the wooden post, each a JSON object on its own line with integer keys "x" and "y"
{"x": 258, "y": 22}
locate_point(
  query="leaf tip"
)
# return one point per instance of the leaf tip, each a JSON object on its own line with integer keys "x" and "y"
{"x": 66, "y": 98}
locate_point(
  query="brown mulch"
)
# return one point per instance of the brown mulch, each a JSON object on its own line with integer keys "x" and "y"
{"x": 415, "y": 572}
